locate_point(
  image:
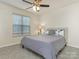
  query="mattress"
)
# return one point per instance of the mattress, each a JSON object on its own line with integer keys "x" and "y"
{"x": 47, "y": 46}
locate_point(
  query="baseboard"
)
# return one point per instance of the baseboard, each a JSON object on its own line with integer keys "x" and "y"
{"x": 73, "y": 46}
{"x": 9, "y": 45}
{"x": 19, "y": 43}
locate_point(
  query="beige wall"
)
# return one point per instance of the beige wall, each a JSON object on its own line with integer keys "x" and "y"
{"x": 65, "y": 17}
{"x": 6, "y": 12}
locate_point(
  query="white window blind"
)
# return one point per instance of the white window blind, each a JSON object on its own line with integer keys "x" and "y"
{"x": 21, "y": 24}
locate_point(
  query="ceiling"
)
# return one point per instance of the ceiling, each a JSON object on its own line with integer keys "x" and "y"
{"x": 53, "y": 3}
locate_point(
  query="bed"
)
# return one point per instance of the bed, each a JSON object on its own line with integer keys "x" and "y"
{"x": 46, "y": 45}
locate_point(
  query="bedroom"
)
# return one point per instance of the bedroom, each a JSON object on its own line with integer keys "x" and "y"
{"x": 60, "y": 14}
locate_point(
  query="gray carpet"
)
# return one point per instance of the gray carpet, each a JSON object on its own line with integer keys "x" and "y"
{"x": 16, "y": 52}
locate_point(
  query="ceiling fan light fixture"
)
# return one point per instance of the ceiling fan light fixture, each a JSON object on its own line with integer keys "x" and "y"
{"x": 36, "y": 8}
{"x": 36, "y": 5}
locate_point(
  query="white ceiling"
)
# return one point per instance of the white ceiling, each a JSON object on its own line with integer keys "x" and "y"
{"x": 53, "y": 3}
{"x": 17, "y": 3}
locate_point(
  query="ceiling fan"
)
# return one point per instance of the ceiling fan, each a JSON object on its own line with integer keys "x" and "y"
{"x": 36, "y": 5}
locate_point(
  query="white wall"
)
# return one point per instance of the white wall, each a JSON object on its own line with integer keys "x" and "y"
{"x": 6, "y": 11}
{"x": 64, "y": 17}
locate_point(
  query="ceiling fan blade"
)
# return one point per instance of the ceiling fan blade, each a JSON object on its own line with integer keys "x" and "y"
{"x": 27, "y": 2}
{"x": 29, "y": 7}
{"x": 42, "y": 5}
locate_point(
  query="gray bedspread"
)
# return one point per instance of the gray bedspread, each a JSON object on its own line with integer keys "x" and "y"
{"x": 47, "y": 46}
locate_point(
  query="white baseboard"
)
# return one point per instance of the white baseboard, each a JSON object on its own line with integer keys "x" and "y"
{"x": 19, "y": 43}
{"x": 9, "y": 45}
{"x": 73, "y": 46}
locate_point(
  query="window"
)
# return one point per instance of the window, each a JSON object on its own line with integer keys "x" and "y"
{"x": 21, "y": 24}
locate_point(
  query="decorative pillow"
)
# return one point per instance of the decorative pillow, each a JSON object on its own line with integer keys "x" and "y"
{"x": 50, "y": 32}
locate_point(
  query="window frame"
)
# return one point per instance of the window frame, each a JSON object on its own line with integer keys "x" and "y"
{"x": 21, "y": 34}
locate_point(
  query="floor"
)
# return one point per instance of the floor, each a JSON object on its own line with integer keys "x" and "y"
{"x": 16, "y": 52}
